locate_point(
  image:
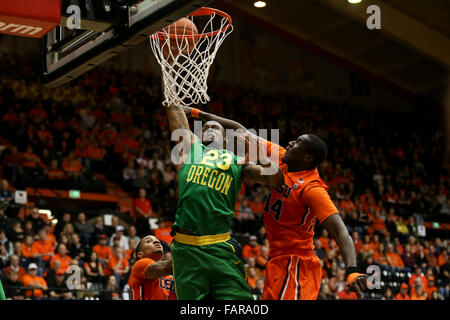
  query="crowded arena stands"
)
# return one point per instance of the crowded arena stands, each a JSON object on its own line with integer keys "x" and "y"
{"x": 106, "y": 135}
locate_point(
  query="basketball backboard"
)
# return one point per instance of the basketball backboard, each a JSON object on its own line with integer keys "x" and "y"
{"x": 106, "y": 28}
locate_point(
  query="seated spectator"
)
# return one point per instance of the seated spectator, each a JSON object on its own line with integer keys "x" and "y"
{"x": 42, "y": 250}
{"x": 251, "y": 249}
{"x": 388, "y": 295}
{"x": 6, "y": 195}
{"x": 94, "y": 271}
{"x": 347, "y": 294}
{"x": 14, "y": 266}
{"x": 13, "y": 286}
{"x": 72, "y": 167}
{"x": 394, "y": 258}
{"x": 132, "y": 234}
{"x": 35, "y": 283}
{"x": 16, "y": 233}
{"x": 27, "y": 249}
{"x": 37, "y": 114}
{"x": 50, "y": 276}
{"x": 59, "y": 289}
{"x": 35, "y": 218}
{"x": 103, "y": 250}
{"x": 443, "y": 258}
{"x": 123, "y": 240}
{"x": 54, "y": 174}
{"x": 403, "y": 294}
{"x": 380, "y": 256}
{"x": 76, "y": 249}
{"x": 66, "y": 218}
{"x": 252, "y": 278}
{"x": 62, "y": 257}
{"x": 111, "y": 291}
{"x": 163, "y": 231}
{"x": 431, "y": 288}
{"x": 325, "y": 293}
{"x": 30, "y": 159}
{"x": 131, "y": 245}
{"x": 68, "y": 231}
{"x": 13, "y": 162}
{"x": 418, "y": 275}
{"x": 84, "y": 229}
{"x": 3, "y": 219}
{"x": 409, "y": 259}
{"x": 261, "y": 261}
{"x": 118, "y": 265}
{"x": 6, "y": 242}
{"x": 99, "y": 229}
{"x": 419, "y": 294}
{"x": 258, "y": 290}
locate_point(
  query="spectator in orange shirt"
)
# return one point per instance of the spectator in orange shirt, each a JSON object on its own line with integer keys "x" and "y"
{"x": 378, "y": 223}
{"x": 72, "y": 167}
{"x": 430, "y": 288}
{"x": 118, "y": 265}
{"x": 443, "y": 258}
{"x": 14, "y": 266}
{"x": 54, "y": 174}
{"x": 27, "y": 248}
{"x": 403, "y": 294}
{"x": 380, "y": 256}
{"x": 36, "y": 283}
{"x": 37, "y": 114}
{"x": 357, "y": 243}
{"x": 262, "y": 260}
{"x": 325, "y": 240}
{"x": 62, "y": 257}
{"x": 251, "y": 249}
{"x": 431, "y": 257}
{"x": 394, "y": 258}
{"x": 347, "y": 294}
{"x": 42, "y": 250}
{"x": 252, "y": 278}
{"x": 103, "y": 250}
{"x": 143, "y": 211}
{"x": 30, "y": 159}
{"x": 419, "y": 294}
{"x": 163, "y": 232}
{"x": 418, "y": 275}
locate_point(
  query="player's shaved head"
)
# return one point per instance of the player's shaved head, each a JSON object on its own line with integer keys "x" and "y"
{"x": 316, "y": 146}
{"x": 305, "y": 153}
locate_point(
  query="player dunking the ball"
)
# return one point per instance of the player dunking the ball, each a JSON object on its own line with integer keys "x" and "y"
{"x": 291, "y": 211}
{"x": 206, "y": 261}
{"x": 150, "y": 277}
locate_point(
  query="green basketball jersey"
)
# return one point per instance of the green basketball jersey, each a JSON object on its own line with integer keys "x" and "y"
{"x": 208, "y": 184}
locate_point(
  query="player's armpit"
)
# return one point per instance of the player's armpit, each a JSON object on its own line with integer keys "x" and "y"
{"x": 159, "y": 269}
{"x": 256, "y": 173}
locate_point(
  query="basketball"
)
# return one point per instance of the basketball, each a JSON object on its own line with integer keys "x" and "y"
{"x": 184, "y": 28}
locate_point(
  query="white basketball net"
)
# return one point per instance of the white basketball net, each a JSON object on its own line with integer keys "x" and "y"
{"x": 185, "y": 63}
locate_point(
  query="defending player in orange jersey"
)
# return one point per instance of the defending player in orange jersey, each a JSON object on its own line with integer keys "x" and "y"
{"x": 150, "y": 277}
{"x": 291, "y": 211}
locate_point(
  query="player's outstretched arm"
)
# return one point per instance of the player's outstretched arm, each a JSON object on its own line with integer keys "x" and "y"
{"x": 337, "y": 229}
{"x": 257, "y": 173}
{"x": 180, "y": 130}
{"x": 159, "y": 269}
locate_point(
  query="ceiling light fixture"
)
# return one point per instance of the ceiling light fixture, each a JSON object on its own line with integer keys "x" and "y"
{"x": 354, "y": 1}
{"x": 259, "y": 4}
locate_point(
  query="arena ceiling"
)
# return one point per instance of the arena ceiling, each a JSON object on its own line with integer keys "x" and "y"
{"x": 410, "y": 53}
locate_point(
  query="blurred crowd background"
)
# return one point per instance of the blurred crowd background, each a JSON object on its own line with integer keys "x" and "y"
{"x": 388, "y": 173}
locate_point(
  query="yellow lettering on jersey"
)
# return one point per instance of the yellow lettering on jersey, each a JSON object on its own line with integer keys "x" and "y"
{"x": 205, "y": 175}
{"x": 191, "y": 173}
{"x": 219, "y": 181}
{"x": 198, "y": 173}
{"x": 212, "y": 181}
{"x": 226, "y": 185}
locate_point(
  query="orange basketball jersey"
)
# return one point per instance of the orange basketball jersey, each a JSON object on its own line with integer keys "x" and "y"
{"x": 142, "y": 288}
{"x": 292, "y": 209}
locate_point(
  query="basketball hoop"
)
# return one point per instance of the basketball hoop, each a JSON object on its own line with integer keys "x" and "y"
{"x": 186, "y": 55}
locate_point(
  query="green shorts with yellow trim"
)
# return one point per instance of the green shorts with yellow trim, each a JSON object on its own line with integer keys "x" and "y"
{"x": 208, "y": 271}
